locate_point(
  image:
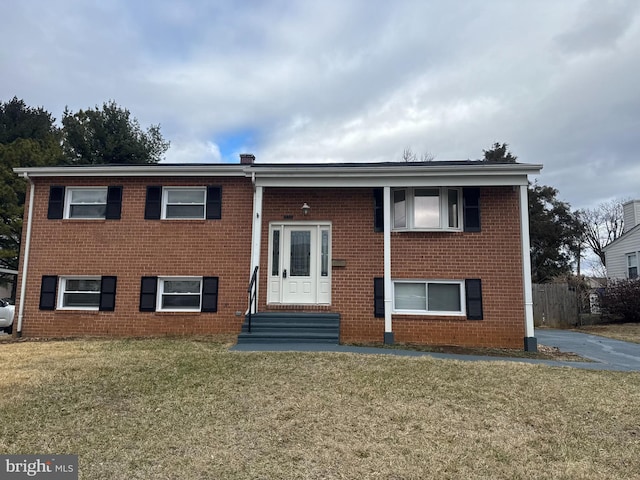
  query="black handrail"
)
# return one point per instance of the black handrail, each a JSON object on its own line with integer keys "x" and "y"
{"x": 253, "y": 296}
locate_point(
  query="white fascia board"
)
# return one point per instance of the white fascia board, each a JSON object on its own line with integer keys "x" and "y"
{"x": 402, "y": 181}
{"x": 157, "y": 170}
{"x": 395, "y": 176}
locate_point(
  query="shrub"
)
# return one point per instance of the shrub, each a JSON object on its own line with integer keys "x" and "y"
{"x": 621, "y": 298}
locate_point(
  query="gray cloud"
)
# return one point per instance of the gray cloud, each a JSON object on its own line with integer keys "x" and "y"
{"x": 351, "y": 81}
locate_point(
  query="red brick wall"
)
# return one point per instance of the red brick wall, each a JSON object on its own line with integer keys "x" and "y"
{"x": 492, "y": 255}
{"x": 133, "y": 247}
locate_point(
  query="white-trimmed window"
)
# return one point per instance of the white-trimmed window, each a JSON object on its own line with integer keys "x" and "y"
{"x": 183, "y": 294}
{"x": 86, "y": 203}
{"x": 632, "y": 265}
{"x": 79, "y": 293}
{"x": 427, "y": 209}
{"x": 184, "y": 203}
{"x": 434, "y": 297}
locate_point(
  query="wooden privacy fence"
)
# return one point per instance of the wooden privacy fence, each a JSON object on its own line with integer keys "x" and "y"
{"x": 555, "y": 305}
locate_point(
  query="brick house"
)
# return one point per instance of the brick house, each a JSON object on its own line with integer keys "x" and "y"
{"x": 433, "y": 253}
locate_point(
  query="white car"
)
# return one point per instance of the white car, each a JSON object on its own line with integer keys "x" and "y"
{"x": 6, "y": 316}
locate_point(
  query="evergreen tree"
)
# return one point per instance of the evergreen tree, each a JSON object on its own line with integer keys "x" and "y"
{"x": 28, "y": 138}
{"x": 110, "y": 135}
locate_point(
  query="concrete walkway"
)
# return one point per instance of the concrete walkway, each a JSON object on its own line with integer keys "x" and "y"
{"x": 606, "y": 354}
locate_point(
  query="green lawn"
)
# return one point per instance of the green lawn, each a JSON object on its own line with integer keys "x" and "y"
{"x": 189, "y": 409}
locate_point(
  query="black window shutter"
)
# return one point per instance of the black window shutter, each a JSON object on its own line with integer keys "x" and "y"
{"x": 153, "y": 206}
{"x": 378, "y": 210}
{"x": 148, "y": 290}
{"x": 56, "y": 202}
{"x": 108, "y": 294}
{"x": 214, "y": 203}
{"x": 48, "y": 292}
{"x": 209, "y": 294}
{"x": 378, "y": 297}
{"x": 471, "y": 205}
{"x": 114, "y": 203}
{"x": 473, "y": 287}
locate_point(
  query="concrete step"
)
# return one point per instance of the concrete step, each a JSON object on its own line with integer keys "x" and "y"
{"x": 287, "y": 327}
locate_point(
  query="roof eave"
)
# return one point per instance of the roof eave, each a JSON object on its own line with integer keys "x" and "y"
{"x": 155, "y": 170}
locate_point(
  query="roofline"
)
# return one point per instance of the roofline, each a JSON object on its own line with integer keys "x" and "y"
{"x": 623, "y": 236}
{"x": 393, "y": 169}
{"x": 144, "y": 170}
{"x": 327, "y": 170}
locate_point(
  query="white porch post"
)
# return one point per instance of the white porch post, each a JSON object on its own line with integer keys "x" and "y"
{"x": 530, "y": 342}
{"x": 256, "y": 235}
{"x": 388, "y": 303}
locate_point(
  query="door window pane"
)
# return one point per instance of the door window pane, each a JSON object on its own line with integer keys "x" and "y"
{"x": 444, "y": 297}
{"x": 325, "y": 254}
{"x": 410, "y": 296}
{"x": 300, "y": 253}
{"x": 275, "y": 254}
{"x": 426, "y": 207}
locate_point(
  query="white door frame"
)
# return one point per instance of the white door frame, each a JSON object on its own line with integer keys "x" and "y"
{"x": 321, "y": 283}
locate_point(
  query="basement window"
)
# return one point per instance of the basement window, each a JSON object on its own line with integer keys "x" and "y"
{"x": 441, "y": 297}
{"x": 179, "y": 294}
{"x": 79, "y": 293}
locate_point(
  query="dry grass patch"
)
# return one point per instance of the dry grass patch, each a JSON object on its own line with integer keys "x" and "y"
{"x": 544, "y": 352}
{"x": 629, "y": 332}
{"x": 164, "y": 409}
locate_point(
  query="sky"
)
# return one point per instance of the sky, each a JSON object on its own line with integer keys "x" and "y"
{"x": 350, "y": 81}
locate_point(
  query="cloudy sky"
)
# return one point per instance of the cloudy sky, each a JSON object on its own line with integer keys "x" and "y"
{"x": 341, "y": 80}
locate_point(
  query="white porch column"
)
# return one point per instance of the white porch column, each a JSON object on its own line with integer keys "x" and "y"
{"x": 388, "y": 303}
{"x": 530, "y": 342}
{"x": 256, "y": 234}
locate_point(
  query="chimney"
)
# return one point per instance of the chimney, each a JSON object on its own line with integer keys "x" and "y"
{"x": 631, "y": 214}
{"x": 247, "y": 159}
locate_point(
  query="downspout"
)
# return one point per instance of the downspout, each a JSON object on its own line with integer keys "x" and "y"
{"x": 25, "y": 258}
{"x": 388, "y": 303}
{"x": 530, "y": 341}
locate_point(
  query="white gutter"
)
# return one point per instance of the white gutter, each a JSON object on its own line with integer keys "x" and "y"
{"x": 393, "y": 169}
{"x": 530, "y": 342}
{"x": 25, "y": 258}
{"x": 157, "y": 170}
{"x": 388, "y": 303}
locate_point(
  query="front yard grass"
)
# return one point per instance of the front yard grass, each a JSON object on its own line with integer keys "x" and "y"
{"x": 186, "y": 408}
{"x": 629, "y": 332}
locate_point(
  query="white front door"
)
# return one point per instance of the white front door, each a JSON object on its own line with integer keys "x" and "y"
{"x": 299, "y": 272}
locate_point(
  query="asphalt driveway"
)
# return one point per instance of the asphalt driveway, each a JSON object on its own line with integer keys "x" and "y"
{"x": 610, "y": 354}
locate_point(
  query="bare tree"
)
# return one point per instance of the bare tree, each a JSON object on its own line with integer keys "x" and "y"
{"x": 602, "y": 225}
{"x": 408, "y": 155}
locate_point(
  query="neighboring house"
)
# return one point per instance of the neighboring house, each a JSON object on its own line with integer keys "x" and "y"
{"x": 622, "y": 256}
{"x": 432, "y": 253}
{"x": 6, "y": 288}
